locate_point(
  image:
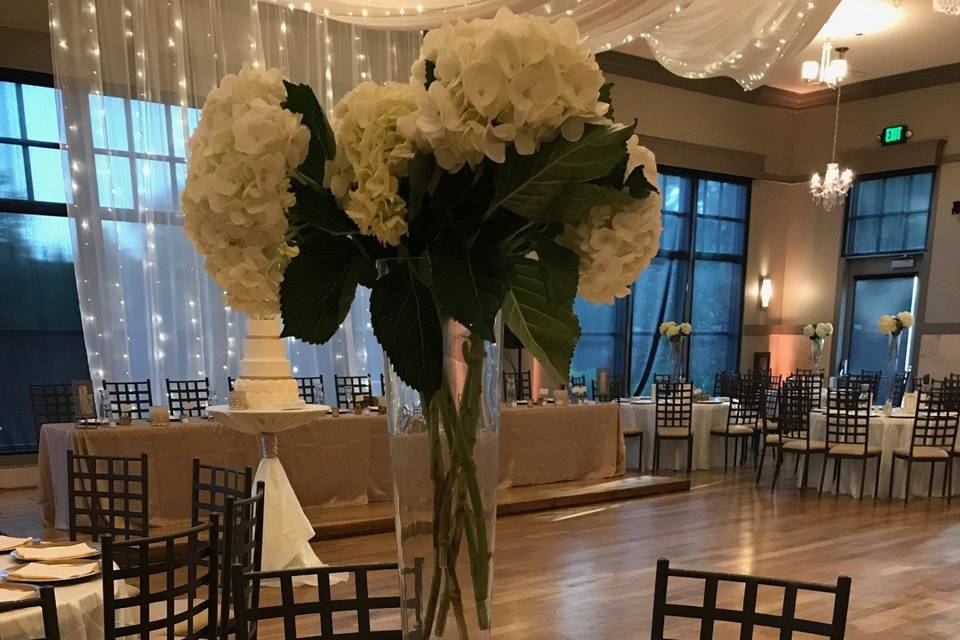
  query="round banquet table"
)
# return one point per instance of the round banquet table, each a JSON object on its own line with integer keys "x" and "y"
{"x": 79, "y": 610}
{"x": 641, "y": 414}
{"x": 889, "y": 433}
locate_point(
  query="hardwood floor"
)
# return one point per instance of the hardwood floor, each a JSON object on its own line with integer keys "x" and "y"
{"x": 586, "y": 573}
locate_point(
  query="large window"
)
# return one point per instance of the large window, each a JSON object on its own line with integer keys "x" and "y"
{"x": 40, "y": 335}
{"x": 889, "y": 213}
{"x": 697, "y": 276}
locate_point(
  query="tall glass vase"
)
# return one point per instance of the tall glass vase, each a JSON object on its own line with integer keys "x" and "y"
{"x": 816, "y": 354}
{"x": 444, "y": 456}
{"x": 676, "y": 359}
{"x": 893, "y": 355}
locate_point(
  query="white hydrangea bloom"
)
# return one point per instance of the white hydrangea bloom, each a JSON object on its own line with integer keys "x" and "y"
{"x": 665, "y": 326}
{"x": 686, "y": 328}
{"x": 238, "y": 187}
{"x": 821, "y": 330}
{"x": 371, "y": 157}
{"x": 906, "y": 319}
{"x": 887, "y": 324}
{"x": 809, "y": 331}
{"x": 511, "y": 79}
{"x": 615, "y": 245}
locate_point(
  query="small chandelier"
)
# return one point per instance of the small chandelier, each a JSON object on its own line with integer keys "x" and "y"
{"x": 831, "y": 189}
{"x": 949, "y": 7}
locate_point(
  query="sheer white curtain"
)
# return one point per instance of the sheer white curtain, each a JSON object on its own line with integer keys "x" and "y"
{"x": 132, "y": 75}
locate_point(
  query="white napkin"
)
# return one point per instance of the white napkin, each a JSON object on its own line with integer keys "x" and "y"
{"x": 8, "y": 594}
{"x": 9, "y": 542}
{"x": 40, "y": 571}
{"x": 79, "y": 550}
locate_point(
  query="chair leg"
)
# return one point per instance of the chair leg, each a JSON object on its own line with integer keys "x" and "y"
{"x": 893, "y": 469}
{"x": 876, "y": 484}
{"x": 796, "y": 464}
{"x": 950, "y": 481}
{"x": 823, "y": 474}
{"x": 806, "y": 470}
{"x": 776, "y": 468}
{"x": 726, "y": 452}
{"x": 640, "y": 455}
{"x": 906, "y": 492}
{"x": 863, "y": 476}
{"x": 763, "y": 454}
{"x": 933, "y": 469}
{"x": 656, "y": 454}
{"x": 836, "y": 493}
{"x": 744, "y": 445}
{"x": 947, "y": 464}
{"x": 689, "y": 455}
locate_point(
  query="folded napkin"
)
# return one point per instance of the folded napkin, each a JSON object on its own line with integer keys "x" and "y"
{"x": 10, "y": 594}
{"x": 40, "y": 571}
{"x": 65, "y": 552}
{"x": 8, "y": 543}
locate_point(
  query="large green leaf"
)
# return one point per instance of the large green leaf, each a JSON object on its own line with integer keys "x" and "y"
{"x": 559, "y": 268}
{"x": 576, "y": 201}
{"x": 323, "y": 147}
{"x": 407, "y": 325}
{"x": 319, "y": 208}
{"x": 606, "y": 95}
{"x": 638, "y": 185}
{"x": 469, "y": 281}
{"x": 318, "y": 287}
{"x": 533, "y": 186}
{"x": 550, "y": 331}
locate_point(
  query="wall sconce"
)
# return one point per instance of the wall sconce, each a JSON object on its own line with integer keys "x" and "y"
{"x": 766, "y": 291}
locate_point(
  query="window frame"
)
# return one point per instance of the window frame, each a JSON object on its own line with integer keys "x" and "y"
{"x": 848, "y": 205}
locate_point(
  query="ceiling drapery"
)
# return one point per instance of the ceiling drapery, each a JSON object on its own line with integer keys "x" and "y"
{"x": 742, "y": 39}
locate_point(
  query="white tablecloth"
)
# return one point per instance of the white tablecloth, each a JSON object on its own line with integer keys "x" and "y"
{"x": 889, "y": 433}
{"x": 79, "y": 610}
{"x": 707, "y": 451}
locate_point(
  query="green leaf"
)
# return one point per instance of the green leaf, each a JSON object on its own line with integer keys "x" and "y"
{"x": 550, "y": 331}
{"x": 470, "y": 281}
{"x": 533, "y": 186}
{"x": 323, "y": 147}
{"x": 318, "y": 287}
{"x": 638, "y": 185}
{"x": 576, "y": 201}
{"x": 406, "y": 323}
{"x": 559, "y": 268}
{"x": 319, "y": 208}
{"x": 606, "y": 91}
{"x": 420, "y": 174}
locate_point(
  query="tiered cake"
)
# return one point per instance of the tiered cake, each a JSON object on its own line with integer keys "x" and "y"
{"x": 265, "y": 372}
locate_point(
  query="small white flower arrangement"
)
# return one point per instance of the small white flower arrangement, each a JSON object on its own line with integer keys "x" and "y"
{"x": 894, "y": 325}
{"x": 818, "y": 332}
{"x": 675, "y": 331}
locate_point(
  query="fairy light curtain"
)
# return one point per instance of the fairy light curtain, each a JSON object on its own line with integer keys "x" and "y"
{"x": 132, "y": 75}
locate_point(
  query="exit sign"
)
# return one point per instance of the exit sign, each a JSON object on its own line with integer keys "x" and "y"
{"x": 897, "y": 134}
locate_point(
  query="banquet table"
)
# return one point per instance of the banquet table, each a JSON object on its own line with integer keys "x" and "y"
{"x": 330, "y": 461}
{"x": 889, "y": 433}
{"x": 79, "y": 610}
{"x": 707, "y": 451}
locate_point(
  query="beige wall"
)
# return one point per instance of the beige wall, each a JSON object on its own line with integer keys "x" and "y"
{"x": 27, "y": 50}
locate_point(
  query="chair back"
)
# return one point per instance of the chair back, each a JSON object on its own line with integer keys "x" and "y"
{"x": 848, "y": 417}
{"x": 213, "y": 485}
{"x": 195, "y": 393}
{"x": 873, "y": 378}
{"x": 578, "y": 381}
{"x": 744, "y": 403}
{"x": 746, "y": 615}
{"x": 795, "y": 407}
{"x": 674, "y": 406}
{"x": 242, "y": 546}
{"x": 51, "y": 403}
{"x": 615, "y": 390}
{"x": 725, "y": 383}
{"x": 936, "y": 421}
{"x": 108, "y": 495}
{"x": 46, "y": 600}
{"x": 349, "y": 387}
{"x": 901, "y": 382}
{"x": 811, "y": 383}
{"x": 230, "y": 381}
{"x": 383, "y": 385}
{"x": 311, "y": 389}
{"x": 322, "y": 604}
{"x": 179, "y": 570}
{"x": 521, "y": 384}
{"x": 138, "y": 395}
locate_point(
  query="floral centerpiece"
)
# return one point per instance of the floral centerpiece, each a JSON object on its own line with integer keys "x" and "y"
{"x": 491, "y": 188}
{"x": 817, "y": 334}
{"x": 676, "y": 332}
{"x": 892, "y": 326}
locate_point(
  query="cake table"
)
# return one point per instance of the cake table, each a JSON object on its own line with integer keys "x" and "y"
{"x": 286, "y": 529}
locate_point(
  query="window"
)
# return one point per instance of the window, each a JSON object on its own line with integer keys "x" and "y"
{"x": 889, "y": 213}
{"x": 39, "y": 324}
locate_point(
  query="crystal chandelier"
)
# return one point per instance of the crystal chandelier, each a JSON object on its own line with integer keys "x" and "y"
{"x": 831, "y": 189}
{"x": 949, "y": 7}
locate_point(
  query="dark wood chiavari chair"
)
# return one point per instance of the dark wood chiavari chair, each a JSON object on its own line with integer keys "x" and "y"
{"x": 213, "y": 485}
{"x": 742, "y": 419}
{"x": 175, "y": 578}
{"x": 296, "y": 611}
{"x": 349, "y": 387}
{"x": 230, "y": 381}
{"x": 747, "y": 616}
{"x": 770, "y": 420}
{"x": 725, "y": 383}
{"x": 848, "y": 436}
{"x": 615, "y": 390}
{"x": 310, "y": 389}
{"x": 811, "y": 382}
{"x": 874, "y": 378}
{"x": 674, "y": 419}
{"x": 46, "y": 601}
{"x": 521, "y": 384}
{"x": 933, "y": 438}
{"x": 578, "y": 381}
{"x": 108, "y": 495}
{"x": 793, "y": 433}
{"x": 242, "y": 546}
{"x": 901, "y": 382}
{"x": 181, "y": 393}
{"x": 51, "y": 403}
{"x": 138, "y": 396}
{"x": 383, "y": 386}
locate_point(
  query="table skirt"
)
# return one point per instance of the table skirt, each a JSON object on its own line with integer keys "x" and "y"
{"x": 707, "y": 450}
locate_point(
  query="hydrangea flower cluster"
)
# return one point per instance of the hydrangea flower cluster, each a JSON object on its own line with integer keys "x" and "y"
{"x": 371, "y": 156}
{"x": 818, "y": 331}
{"x": 893, "y": 325}
{"x": 675, "y": 330}
{"x": 238, "y": 187}
{"x": 512, "y": 79}
{"x": 616, "y": 244}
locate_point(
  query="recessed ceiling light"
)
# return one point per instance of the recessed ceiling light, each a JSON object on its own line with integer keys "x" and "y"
{"x": 859, "y": 17}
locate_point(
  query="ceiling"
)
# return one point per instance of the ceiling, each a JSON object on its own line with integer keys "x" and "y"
{"x": 896, "y": 39}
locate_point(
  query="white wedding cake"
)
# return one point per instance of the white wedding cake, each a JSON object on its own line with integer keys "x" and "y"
{"x": 265, "y": 372}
